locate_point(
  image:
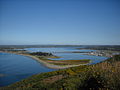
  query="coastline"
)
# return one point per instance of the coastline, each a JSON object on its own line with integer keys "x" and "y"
{"x": 46, "y": 64}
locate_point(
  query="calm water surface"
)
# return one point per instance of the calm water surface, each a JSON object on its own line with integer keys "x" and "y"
{"x": 14, "y": 68}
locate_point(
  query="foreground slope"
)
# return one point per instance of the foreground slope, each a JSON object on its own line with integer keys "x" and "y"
{"x": 104, "y": 75}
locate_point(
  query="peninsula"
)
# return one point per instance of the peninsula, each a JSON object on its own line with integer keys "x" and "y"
{"x": 46, "y": 59}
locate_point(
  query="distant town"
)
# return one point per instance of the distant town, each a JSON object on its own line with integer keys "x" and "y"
{"x": 102, "y": 53}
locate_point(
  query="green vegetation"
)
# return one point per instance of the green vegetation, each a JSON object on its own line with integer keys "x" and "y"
{"x": 102, "y": 76}
{"x": 41, "y": 54}
{"x": 68, "y": 62}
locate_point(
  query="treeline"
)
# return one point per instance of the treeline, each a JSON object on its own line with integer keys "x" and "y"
{"x": 41, "y": 54}
{"x": 102, "y": 76}
{"x": 104, "y": 47}
{"x": 37, "y": 46}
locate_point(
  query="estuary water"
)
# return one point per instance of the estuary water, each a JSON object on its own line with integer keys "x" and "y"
{"x": 14, "y": 68}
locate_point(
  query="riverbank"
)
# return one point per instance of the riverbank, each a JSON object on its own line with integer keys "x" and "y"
{"x": 54, "y": 64}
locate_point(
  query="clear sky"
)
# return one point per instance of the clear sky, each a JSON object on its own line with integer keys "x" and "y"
{"x": 83, "y": 22}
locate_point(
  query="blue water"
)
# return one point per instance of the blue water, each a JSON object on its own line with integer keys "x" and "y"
{"x": 14, "y": 68}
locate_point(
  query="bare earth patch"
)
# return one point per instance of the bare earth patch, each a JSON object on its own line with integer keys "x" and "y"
{"x": 52, "y": 79}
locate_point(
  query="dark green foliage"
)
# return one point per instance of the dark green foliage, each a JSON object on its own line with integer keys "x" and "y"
{"x": 114, "y": 59}
{"x": 103, "y": 47}
{"x": 41, "y": 54}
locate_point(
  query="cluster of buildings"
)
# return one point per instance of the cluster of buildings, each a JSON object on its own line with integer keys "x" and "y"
{"x": 102, "y": 53}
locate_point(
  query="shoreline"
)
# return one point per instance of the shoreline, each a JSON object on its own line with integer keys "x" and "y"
{"x": 52, "y": 66}
{"x": 46, "y": 64}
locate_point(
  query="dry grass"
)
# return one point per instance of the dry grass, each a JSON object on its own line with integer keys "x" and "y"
{"x": 52, "y": 79}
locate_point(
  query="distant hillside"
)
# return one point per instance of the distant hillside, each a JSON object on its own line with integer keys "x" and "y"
{"x": 102, "y": 76}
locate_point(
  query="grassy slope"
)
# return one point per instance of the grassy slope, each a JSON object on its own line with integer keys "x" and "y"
{"x": 104, "y": 75}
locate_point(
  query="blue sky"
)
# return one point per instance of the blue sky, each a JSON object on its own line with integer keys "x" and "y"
{"x": 81, "y": 22}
